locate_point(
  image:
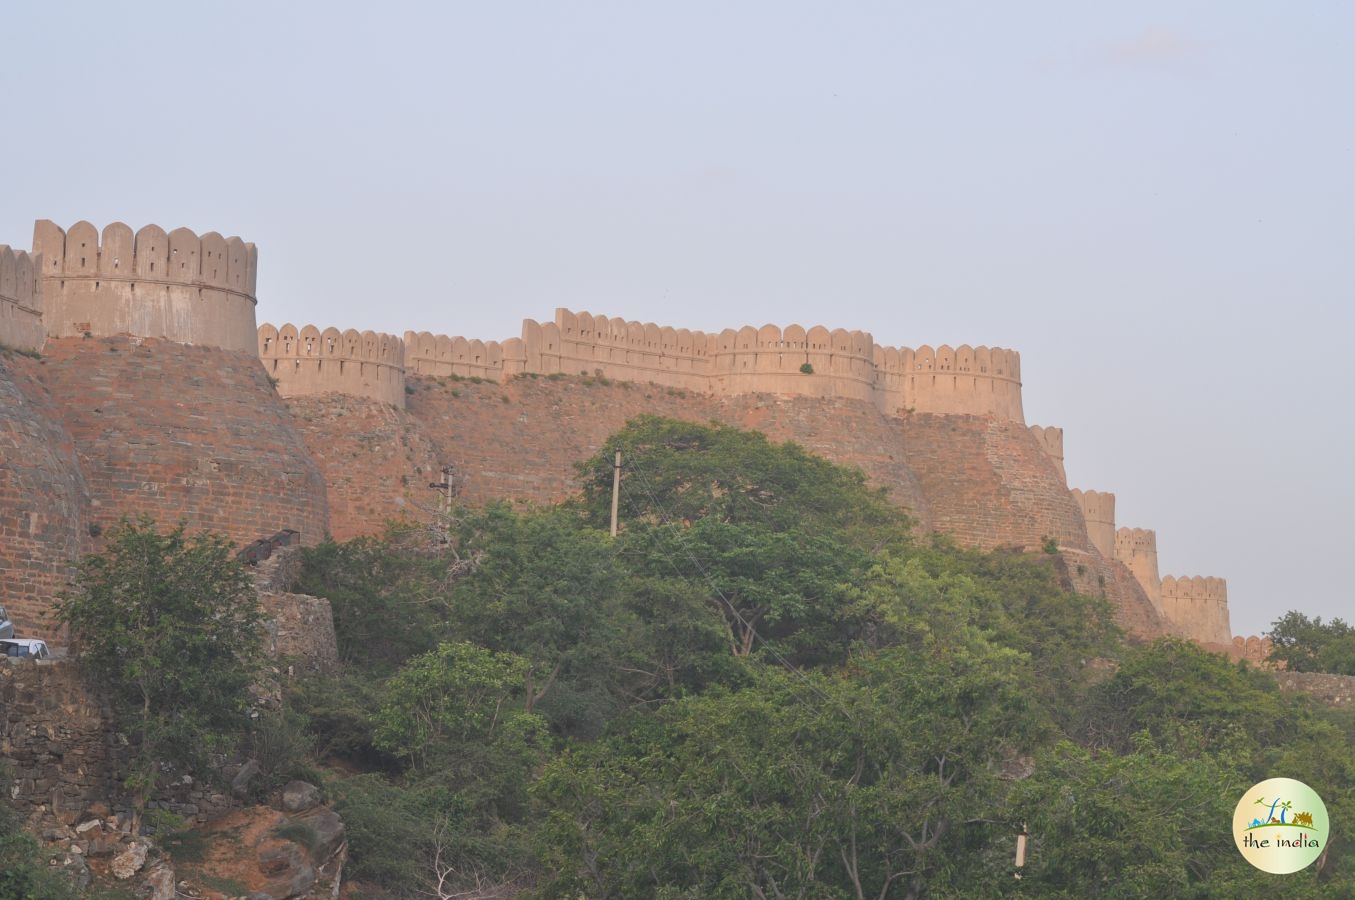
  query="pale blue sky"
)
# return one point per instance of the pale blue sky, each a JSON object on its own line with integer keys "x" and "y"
{"x": 1153, "y": 202}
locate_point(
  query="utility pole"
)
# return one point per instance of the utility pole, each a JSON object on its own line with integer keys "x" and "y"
{"x": 616, "y": 489}
{"x": 446, "y": 485}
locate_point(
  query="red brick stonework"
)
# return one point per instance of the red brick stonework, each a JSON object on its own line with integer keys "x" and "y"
{"x": 44, "y": 501}
{"x": 183, "y": 432}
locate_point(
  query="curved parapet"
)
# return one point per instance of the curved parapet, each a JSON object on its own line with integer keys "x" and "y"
{"x": 965, "y": 380}
{"x": 20, "y": 300}
{"x": 1137, "y": 549}
{"x": 441, "y": 356}
{"x": 1198, "y": 608}
{"x": 795, "y": 362}
{"x": 178, "y": 286}
{"x": 1098, "y": 510}
{"x": 593, "y": 344}
{"x": 310, "y": 361}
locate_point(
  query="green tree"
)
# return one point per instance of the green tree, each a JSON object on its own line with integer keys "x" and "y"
{"x": 1307, "y": 645}
{"x": 880, "y": 782}
{"x": 677, "y": 472}
{"x": 169, "y": 628}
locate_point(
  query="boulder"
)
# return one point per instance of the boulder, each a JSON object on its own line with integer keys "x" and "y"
{"x": 299, "y": 796}
{"x": 129, "y": 862}
{"x": 159, "y": 883}
{"x": 240, "y": 783}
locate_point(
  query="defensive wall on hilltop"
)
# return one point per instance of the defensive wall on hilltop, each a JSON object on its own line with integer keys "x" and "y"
{"x": 310, "y": 361}
{"x": 175, "y": 285}
{"x": 819, "y": 363}
{"x": 132, "y": 423}
{"x": 1196, "y": 607}
{"x": 20, "y": 300}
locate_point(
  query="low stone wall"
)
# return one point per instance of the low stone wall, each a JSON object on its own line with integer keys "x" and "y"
{"x": 1333, "y": 690}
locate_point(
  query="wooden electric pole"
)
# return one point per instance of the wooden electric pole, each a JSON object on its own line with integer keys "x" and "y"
{"x": 616, "y": 489}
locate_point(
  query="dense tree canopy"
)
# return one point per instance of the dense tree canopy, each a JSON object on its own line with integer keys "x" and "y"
{"x": 765, "y": 686}
{"x": 169, "y": 628}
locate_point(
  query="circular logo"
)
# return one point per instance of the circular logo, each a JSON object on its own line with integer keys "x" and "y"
{"x": 1280, "y": 825}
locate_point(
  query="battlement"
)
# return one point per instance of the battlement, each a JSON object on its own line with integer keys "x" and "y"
{"x": 439, "y": 355}
{"x": 175, "y": 285}
{"x": 311, "y": 361}
{"x": 1098, "y": 511}
{"x": 1255, "y": 650}
{"x": 1050, "y": 440}
{"x": 1137, "y": 549}
{"x": 794, "y": 361}
{"x": 1198, "y": 606}
{"x": 20, "y": 300}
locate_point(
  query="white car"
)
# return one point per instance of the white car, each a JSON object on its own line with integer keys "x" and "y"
{"x": 6, "y": 626}
{"x": 25, "y": 648}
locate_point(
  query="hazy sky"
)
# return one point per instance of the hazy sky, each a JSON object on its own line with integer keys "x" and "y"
{"x": 1153, "y": 202}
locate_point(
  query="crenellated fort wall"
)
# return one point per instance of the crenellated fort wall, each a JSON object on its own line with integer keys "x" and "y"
{"x": 818, "y": 363}
{"x": 311, "y": 361}
{"x": 1198, "y": 606}
{"x": 20, "y": 300}
{"x": 136, "y": 424}
{"x": 1098, "y": 509}
{"x": 178, "y": 286}
{"x": 1137, "y": 549}
{"x": 1050, "y": 440}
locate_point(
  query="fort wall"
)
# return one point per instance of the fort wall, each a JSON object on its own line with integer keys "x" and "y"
{"x": 310, "y": 361}
{"x": 1137, "y": 549}
{"x": 817, "y": 362}
{"x": 442, "y": 356}
{"x": 1098, "y": 510}
{"x": 180, "y": 432}
{"x": 1050, "y": 440}
{"x": 176, "y": 285}
{"x": 44, "y": 498}
{"x": 20, "y": 300}
{"x": 1198, "y": 608}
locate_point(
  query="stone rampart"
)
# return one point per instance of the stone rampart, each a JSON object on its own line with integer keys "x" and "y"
{"x": 177, "y": 286}
{"x": 1050, "y": 440}
{"x": 44, "y": 498}
{"x": 1137, "y": 549}
{"x": 1252, "y": 648}
{"x": 180, "y": 432}
{"x": 20, "y": 300}
{"x": 442, "y": 356}
{"x": 1333, "y": 690}
{"x": 1197, "y": 607}
{"x": 1098, "y": 509}
{"x": 310, "y": 361}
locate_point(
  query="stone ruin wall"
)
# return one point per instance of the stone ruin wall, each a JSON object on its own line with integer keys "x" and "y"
{"x": 176, "y": 285}
{"x": 309, "y": 361}
{"x": 20, "y": 300}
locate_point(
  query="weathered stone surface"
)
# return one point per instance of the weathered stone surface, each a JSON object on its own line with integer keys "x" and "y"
{"x": 240, "y": 784}
{"x": 299, "y": 796}
{"x": 329, "y": 833}
{"x": 159, "y": 882}
{"x": 129, "y": 861}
